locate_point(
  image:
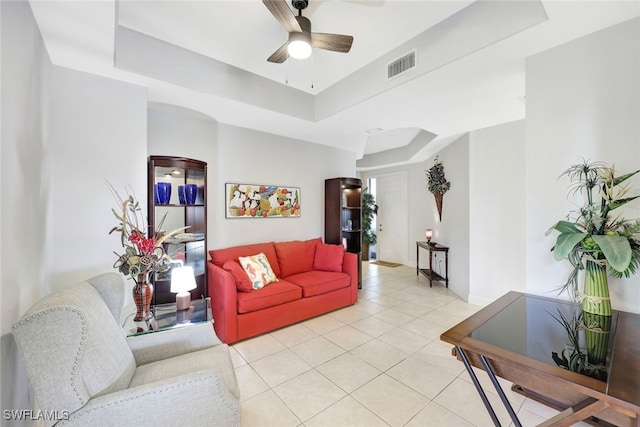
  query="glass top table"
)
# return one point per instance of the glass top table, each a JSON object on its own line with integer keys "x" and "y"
{"x": 542, "y": 345}
{"x": 166, "y": 316}
{"x": 553, "y": 332}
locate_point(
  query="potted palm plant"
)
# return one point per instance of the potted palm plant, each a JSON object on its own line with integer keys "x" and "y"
{"x": 593, "y": 239}
{"x": 369, "y": 209}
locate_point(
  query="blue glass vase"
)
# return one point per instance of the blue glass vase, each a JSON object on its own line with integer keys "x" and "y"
{"x": 190, "y": 193}
{"x": 164, "y": 192}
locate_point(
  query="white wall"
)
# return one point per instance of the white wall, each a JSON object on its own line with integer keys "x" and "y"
{"x": 496, "y": 211}
{"x": 98, "y": 134}
{"x": 583, "y": 101}
{"x": 454, "y": 230}
{"x": 26, "y": 75}
{"x": 242, "y": 155}
{"x": 252, "y": 157}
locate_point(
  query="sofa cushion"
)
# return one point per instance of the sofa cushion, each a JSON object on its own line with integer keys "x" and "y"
{"x": 243, "y": 284}
{"x": 329, "y": 258}
{"x": 296, "y": 256}
{"x": 276, "y": 293}
{"x": 258, "y": 270}
{"x": 219, "y": 256}
{"x": 320, "y": 282}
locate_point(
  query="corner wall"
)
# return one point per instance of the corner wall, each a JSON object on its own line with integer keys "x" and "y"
{"x": 583, "y": 101}
{"x": 496, "y": 211}
{"x": 26, "y": 86}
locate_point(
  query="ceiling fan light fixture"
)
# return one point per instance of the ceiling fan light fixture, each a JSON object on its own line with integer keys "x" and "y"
{"x": 299, "y": 46}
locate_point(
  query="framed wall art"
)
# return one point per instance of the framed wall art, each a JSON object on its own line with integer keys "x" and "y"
{"x": 261, "y": 201}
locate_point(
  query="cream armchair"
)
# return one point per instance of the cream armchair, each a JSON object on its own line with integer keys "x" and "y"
{"x": 84, "y": 371}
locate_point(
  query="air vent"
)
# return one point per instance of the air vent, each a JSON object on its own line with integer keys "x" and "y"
{"x": 401, "y": 65}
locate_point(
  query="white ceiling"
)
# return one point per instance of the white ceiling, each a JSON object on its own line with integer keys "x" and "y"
{"x": 478, "y": 85}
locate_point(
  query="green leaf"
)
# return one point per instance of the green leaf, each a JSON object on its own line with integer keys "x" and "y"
{"x": 617, "y": 203}
{"x": 625, "y": 177}
{"x": 564, "y": 227}
{"x": 565, "y": 244}
{"x": 616, "y": 249}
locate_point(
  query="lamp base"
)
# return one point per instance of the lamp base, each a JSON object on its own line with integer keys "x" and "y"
{"x": 183, "y": 300}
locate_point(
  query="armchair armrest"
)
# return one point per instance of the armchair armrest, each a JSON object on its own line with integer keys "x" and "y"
{"x": 161, "y": 345}
{"x": 195, "y": 399}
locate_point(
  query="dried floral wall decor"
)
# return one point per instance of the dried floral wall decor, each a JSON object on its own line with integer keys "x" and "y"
{"x": 437, "y": 183}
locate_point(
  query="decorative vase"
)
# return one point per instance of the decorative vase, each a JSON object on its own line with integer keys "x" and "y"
{"x": 142, "y": 295}
{"x": 596, "y": 331}
{"x": 181, "y": 197}
{"x": 164, "y": 192}
{"x": 595, "y": 298}
{"x": 190, "y": 193}
{"x": 438, "y": 197}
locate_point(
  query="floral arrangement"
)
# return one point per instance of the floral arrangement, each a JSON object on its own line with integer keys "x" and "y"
{"x": 593, "y": 235}
{"x": 435, "y": 176}
{"x": 142, "y": 255}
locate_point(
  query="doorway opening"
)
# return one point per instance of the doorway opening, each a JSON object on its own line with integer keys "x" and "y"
{"x": 391, "y": 222}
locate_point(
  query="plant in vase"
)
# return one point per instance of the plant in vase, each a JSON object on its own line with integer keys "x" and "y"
{"x": 592, "y": 238}
{"x": 437, "y": 183}
{"x": 143, "y": 255}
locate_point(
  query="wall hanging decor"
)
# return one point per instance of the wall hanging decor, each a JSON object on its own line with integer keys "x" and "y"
{"x": 438, "y": 184}
{"x": 262, "y": 201}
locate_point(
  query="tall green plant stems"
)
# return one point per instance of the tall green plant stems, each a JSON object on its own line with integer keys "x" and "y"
{"x": 595, "y": 298}
{"x": 607, "y": 243}
{"x": 369, "y": 209}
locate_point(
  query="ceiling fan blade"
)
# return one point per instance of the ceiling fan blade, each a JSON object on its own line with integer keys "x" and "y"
{"x": 333, "y": 42}
{"x": 283, "y": 14}
{"x": 280, "y": 55}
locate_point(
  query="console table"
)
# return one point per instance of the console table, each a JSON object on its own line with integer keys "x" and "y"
{"x": 515, "y": 338}
{"x": 428, "y": 272}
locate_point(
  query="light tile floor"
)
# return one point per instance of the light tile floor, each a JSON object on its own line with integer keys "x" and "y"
{"x": 377, "y": 363}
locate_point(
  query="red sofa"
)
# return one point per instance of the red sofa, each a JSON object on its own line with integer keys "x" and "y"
{"x": 313, "y": 278}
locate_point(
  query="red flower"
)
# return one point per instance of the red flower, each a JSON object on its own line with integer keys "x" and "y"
{"x": 145, "y": 245}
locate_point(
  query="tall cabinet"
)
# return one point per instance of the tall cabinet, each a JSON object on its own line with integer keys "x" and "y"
{"x": 189, "y": 245}
{"x": 343, "y": 216}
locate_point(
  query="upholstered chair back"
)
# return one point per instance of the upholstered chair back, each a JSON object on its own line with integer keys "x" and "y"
{"x": 73, "y": 348}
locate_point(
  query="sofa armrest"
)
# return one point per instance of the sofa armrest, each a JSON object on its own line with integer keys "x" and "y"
{"x": 224, "y": 302}
{"x": 350, "y": 266}
{"x": 195, "y": 399}
{"x": 168, "y": 343}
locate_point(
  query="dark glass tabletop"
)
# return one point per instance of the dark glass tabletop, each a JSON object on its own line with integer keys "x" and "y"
{"x": 553, "y": 332}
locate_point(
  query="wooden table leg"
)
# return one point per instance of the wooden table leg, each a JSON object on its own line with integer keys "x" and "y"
{"x": 578, "y": 412}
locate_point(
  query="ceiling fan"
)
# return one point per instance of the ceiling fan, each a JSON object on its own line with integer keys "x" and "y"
{"x": 301, "y": 39}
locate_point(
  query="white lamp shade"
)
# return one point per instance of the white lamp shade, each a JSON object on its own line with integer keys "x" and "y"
{"x": 299, "y": 46}
{"x": 182, "y": 279}
{"x": 428, "y": 234}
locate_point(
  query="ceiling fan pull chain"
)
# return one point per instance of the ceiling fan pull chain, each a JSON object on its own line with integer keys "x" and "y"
{"x": 313, "y": 69}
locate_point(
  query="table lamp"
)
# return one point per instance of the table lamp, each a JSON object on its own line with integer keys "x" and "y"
{"x": 182, "y": 281}
{"x": 428, "y": 234}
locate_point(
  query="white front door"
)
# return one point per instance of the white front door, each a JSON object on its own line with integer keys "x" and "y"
{"x": 391, "y": 198}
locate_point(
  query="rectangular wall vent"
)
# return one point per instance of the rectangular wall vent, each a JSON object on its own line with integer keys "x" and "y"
{"x": 401, "y": 65}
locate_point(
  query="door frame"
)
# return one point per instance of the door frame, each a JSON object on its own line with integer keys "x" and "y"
{"x": 405, "y": 225}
